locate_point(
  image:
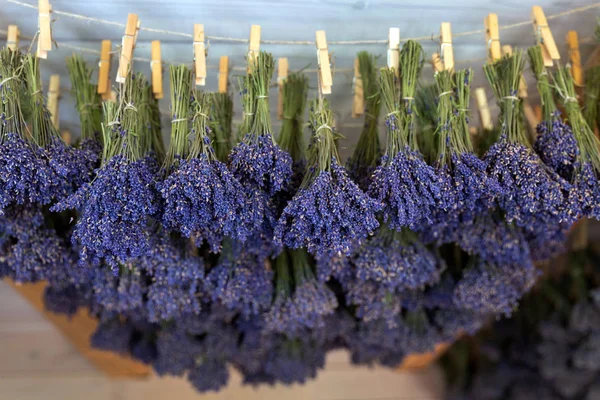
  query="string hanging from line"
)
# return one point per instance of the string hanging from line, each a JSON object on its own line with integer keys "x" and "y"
{"x": 301, "y": 42}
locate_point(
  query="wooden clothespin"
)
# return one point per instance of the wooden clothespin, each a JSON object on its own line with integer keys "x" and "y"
{"x": 12, "y": 37}
{"x": 53, "y": 97}
{"x": 44, "y": 44}
{"x": 156, "y": 68}
{"x": 492, "y": 38}
{"x": 446, "y": 51}
{"x": 325, "y": 79}
{"x": 484, "y": 111}
{"x": 127, "y": 46}
{"x": 223, "y": 74}
{"x": 66, "y": 136}
{"x": 104, "y": 69}
{"x": 393, "y": 53}
{"x": 544, "y": 37}
{"x": 282, "y": 74}
{"x": 358, "y": 101}
{"x": 575, "y": 57}
{"x": 436, "y": 62}
{"x": 253, "y": 43}
{"x": 199, "y": 55}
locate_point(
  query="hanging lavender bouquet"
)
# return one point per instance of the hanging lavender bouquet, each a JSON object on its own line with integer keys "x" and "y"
{"x": 28, "y": 175}
{"x": 555, "y": 143}
{"x": 202, "y": 199}
{"x": 586, "y": 188}
{"x": 241, "y": 281}
{"x": 257, "y": 161}
{"x": 408, "y": 188}
{"x": 467, "y": 188}
{"x": 367, "y": 153}
{"x": 118, "y": 205}
{"x": 259, "y": 164}
{"x": 301, "y": 302}
{"x": 330, "y": 213}
{"x": 291, "y": 139}
{"x": 532, "y": 193}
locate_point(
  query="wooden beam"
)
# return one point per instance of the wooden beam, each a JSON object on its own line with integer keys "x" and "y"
{"x": 78, "y": 330}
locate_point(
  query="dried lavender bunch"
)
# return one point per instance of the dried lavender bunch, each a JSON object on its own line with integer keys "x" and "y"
{"x": 467, "y": 188}
{"x": 28, "y": 175}
{"x": 396, "y": 260}
{"x": 291, "y": 138}
{"x": 241, "y": 282}
{"x": 117, "y": 207}
{"x": 298, "y": 311}
{"x": 367, "y": 153}
{"x": 220, "y": 124}
{"x": 202, "y": 199}
{"x": 555, "y": 143}
{"x": 257, "y": 161}
{"x": 585, "y": 196}
{"x": 494, "y": 289}
{"x": 329, "y": 214}
{"x": 407, "y": 187}
{"x": 532, "y": 193}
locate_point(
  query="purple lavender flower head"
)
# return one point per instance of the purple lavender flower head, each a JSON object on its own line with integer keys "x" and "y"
{"x": 397, "y": 261}
{"x": 205, "y": 202}
{"x": 486, "y": 288}
{"x": 586, "y": 194}
{"x": 115, "y": 208}
{"x": 26, "y": 175}
{"x": 209, "y": 375}
{"x": 75, "y": 166}
{"x": 257, "y": 161}
{"x": 328, "y": 215}
{"x": 529, "y": 187}
{"x": 557, "y": 147}
{"x": 408, "y": 188}
{"x": 241, "y": 282}
{"x": 490, "y": 238}
{"x": 307, "y": 307}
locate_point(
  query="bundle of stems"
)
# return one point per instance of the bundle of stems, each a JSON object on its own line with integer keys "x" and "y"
{"x": 291, "y": 139}
{"x": 445, "y": 114}
{"x": 462, "y": 98}
{"x": 536, "y": 59}
{"x": 367, "y": 153}
{"x": 157, "y": 144}
{"x": 504, "y": 77}
{"x": 180, "y": 78}
{"x": 220, "y": 124}
{"x": 261, "y": 72}
{"x": 248, "y": 105}
{"x": 426, "y": 102}
{"x": 201, "y": 145}
{"x": 411, "y": 62}
{"x": 42, "y": 129}
{"x": 592, "y": 94}
{"x": 322, "y": 150}
{"x": 588, "y": 142}
{"x": 87, "y": 99}
{"x": 11, "y": 92}
{"x": 397, "y": 138}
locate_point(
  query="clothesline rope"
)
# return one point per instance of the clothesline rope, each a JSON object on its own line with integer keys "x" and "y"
{"x": 299, "y": 42}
